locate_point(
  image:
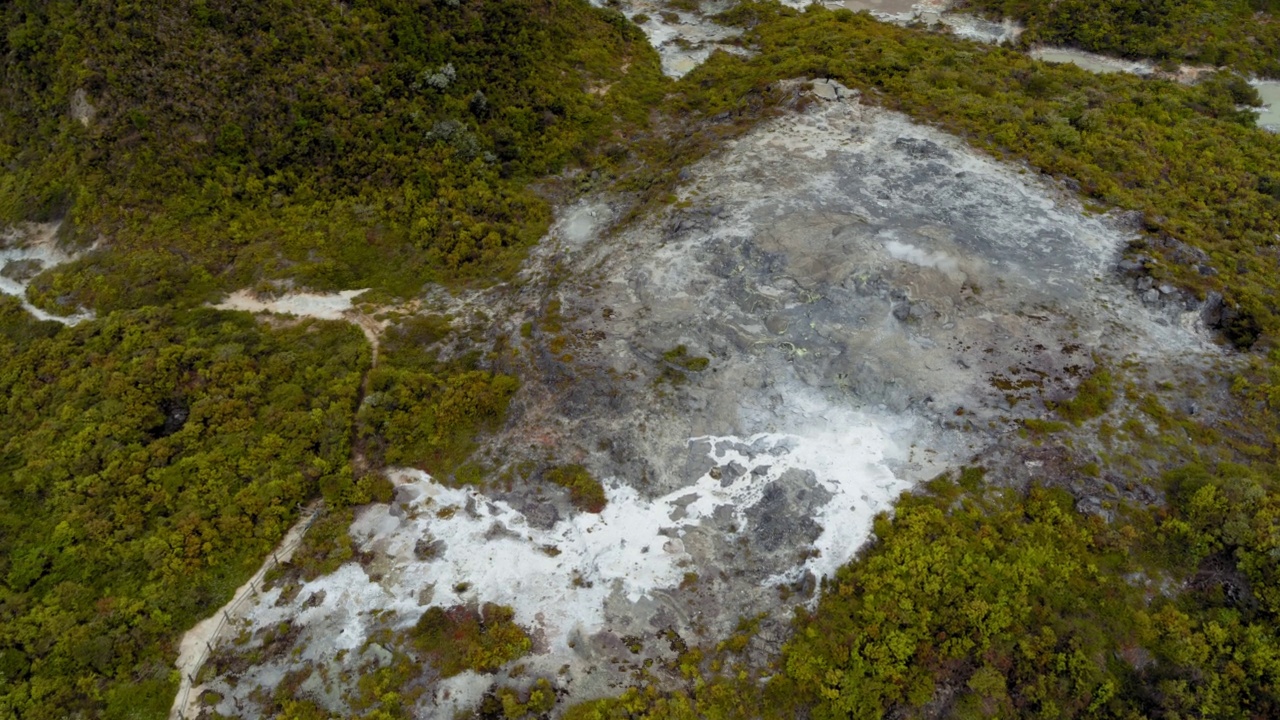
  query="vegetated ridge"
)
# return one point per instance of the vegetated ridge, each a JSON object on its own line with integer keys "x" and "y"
{"x": 1241, "y": 34}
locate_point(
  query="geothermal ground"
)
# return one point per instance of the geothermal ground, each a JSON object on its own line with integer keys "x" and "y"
{"x": 875, "y": 302}
{"x": 27, "y": 251}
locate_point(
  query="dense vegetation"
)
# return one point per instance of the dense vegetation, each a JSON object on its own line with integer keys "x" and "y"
{"x": 421, "y": 411}
{"x": 1242, "y": 34}
{"x": 148, "y": 461}
{"x": 384, "y": 143}
{"x": 150, "y": 458}
{"x": 1023, "y": 608}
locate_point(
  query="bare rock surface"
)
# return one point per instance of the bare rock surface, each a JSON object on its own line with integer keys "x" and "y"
{"x": 842, "y": 304}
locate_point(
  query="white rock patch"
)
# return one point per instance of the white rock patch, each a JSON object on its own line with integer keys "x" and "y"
{"x": 330, "y": 306}
{"x": 558, "y": 579}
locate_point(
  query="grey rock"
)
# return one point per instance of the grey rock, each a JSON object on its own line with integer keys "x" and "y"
{"x": 427, "y": 548}
{"x": 498, "y": 530}
{"x": 541, "y": 514}
{"x": 825, "y": 90}
{"x": 1182, "y": 253}
{"x": 379, "y": 655}
{"x": 919, "y": 148}
{"x": 699, "y": 462}
{"x": 1130, "y": 220}
{"x": 1212, "y": 313}
{"x": 1090, "y": 505}
{"x": 1130, "y": 266}
{"x": 783, "y": 517}
{"x": 806, "y": 585}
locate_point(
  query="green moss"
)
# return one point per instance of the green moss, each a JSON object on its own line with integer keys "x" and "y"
{"x": 679, "y": 356}
{"x": 1043, "y": 427}
{"x": 971, "y": 478}
{"x": 552, "y": 321}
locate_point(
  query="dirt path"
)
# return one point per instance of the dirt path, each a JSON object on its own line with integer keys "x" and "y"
{"x": 331, "y": 306}
{"x": 199, "y": 640}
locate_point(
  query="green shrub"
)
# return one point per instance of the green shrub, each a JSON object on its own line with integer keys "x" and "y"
{"x": 585, "y": 492}
{"x": 460, "y": 638}
{"x": 420, "y": 419}
{"x": 1093, "y": 397}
